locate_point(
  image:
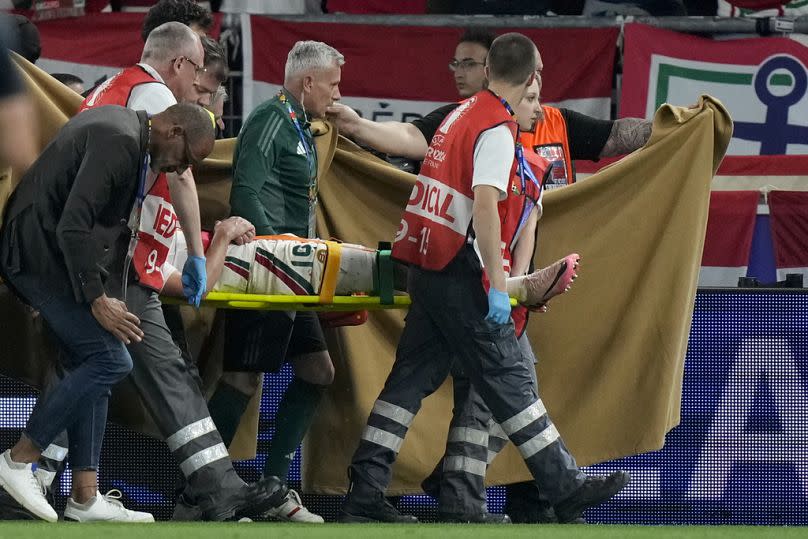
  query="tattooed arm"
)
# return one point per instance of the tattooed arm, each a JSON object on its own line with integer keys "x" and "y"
{"x": 628, "y": 134}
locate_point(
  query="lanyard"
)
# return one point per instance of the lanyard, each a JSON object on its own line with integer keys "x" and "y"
{"x": 525, "y": 170}
{"x": 134, "y": 216}
{"x": 293, "y": 116}
{"x": 504, "y": 103}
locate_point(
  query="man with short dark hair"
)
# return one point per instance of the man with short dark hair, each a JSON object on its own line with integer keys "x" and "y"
{"x": 71, "y": 81}
{"x": 452, "y": 315}
{"x": 468, "y": 63}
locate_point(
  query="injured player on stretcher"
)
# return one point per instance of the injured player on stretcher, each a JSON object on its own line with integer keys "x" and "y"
{"x": 240, "y": 262}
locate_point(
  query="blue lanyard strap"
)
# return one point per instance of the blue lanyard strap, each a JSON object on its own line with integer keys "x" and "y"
{"x": 140, "y": 196}
{"x": 525, "y": 170}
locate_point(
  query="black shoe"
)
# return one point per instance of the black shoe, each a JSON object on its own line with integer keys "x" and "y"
{"x": 526, "y": 505}
{"x": 185, "y": 510}
{"x": 247, "y": 501}
{"x": 542, "y": 513}
{"x": 594, "y": 491}
{"x": 10, "y": 509}
{"x": 431, "y": 486}
{"x": 483, "y": 517}
{"x": 377, "y": 509}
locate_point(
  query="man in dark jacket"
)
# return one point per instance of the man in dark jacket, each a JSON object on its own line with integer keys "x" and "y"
{"x": 87, "y": 180}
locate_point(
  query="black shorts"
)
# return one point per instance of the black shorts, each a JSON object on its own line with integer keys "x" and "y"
{"x": 262, "y": 341}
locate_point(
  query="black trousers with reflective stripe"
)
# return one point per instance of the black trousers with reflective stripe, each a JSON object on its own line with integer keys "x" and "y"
{"x": 462, "y": 491}
{"x": 447, "y": 320}
{"x": 169, "y": 389}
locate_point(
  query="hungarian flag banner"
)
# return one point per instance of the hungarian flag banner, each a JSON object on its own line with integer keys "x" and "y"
{"x": 401, "y": 72}
{"x": 95, "y": 46}
{"x": 92, "y": 47}
{"x": 728, "y": 240}
{"x": 789, "y": 224}
{"x": 736, "y": 215}
{"x": 763, "y": 82}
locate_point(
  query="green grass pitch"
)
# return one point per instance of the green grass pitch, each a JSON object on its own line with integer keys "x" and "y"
{"x": 170, "y": 530}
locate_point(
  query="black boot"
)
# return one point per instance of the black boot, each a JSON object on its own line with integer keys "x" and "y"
{"x": 594, "y": 491}
{"x": 365, "y": 504}
{"x": 431, "y": 484}
{"x": 250, "y": 501}
{"x": 525, "y": 504}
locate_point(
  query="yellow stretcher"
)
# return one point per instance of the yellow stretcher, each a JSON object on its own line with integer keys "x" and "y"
{"x": 223, "y": 300}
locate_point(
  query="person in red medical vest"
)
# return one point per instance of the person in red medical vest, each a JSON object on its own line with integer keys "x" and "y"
{"x": 451, "y": 237}
{"x": 171, "y": 60}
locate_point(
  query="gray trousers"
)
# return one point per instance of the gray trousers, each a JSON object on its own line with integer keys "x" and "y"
{"x": 170, "y": 391}
{"x": 447, "y": 320}
{"x": 456, "y": 481}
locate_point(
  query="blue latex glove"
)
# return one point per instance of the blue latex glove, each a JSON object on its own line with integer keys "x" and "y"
{"x": 194, "y": 279}
{"x": 499, "y": 306}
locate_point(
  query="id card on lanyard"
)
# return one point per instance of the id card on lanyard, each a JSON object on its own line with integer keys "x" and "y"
{"x": 310, "y": 160}
{"x": 526, "y": 174}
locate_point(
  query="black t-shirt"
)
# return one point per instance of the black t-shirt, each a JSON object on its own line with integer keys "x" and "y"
{"x": 587, "y": 136}
{"x": 428, "y": 124}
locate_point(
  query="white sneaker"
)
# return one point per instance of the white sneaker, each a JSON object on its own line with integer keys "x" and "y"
{"x": 106, "y": 508}
{"x": 18, "y": 480}
{"x": 292, "y": 510}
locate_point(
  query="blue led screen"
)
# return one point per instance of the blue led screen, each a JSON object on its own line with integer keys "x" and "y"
{"x": 739, "y": 456}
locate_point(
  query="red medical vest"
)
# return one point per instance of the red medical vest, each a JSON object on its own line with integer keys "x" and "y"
{"x": 158, "y": 221}
{"x": 436, "y": 223}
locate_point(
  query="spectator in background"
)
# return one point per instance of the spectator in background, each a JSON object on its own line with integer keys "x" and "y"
{"x": 16, "y": 110}
{"x": 185, "y": 11}
{"x": 612, "y": 8}
{"x": 27, "y": 43}
{"x": 71, "y": 81}
{"x": 468, "y": 63}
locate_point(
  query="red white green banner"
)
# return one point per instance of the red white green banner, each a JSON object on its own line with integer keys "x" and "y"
{"x": 91, "y": 47}
{"x": 94, "y": 46}
{"x": 401, "y": 72}
{"x": 763, "y": 82}
{"x": 789, "y": 226}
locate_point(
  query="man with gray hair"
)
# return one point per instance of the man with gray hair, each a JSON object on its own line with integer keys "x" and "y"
{"x": 275, "y": 188}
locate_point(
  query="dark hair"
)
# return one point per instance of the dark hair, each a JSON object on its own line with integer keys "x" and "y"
{"x": 185, "y": 11}
{"x": 67, "y": 78}
{"x": 481, "y": 36}
{"x": 512, "y": 58}
{"x": 215, "y": 61}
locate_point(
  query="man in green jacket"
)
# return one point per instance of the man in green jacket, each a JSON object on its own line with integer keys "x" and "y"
{"x": 275, "y": 188}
